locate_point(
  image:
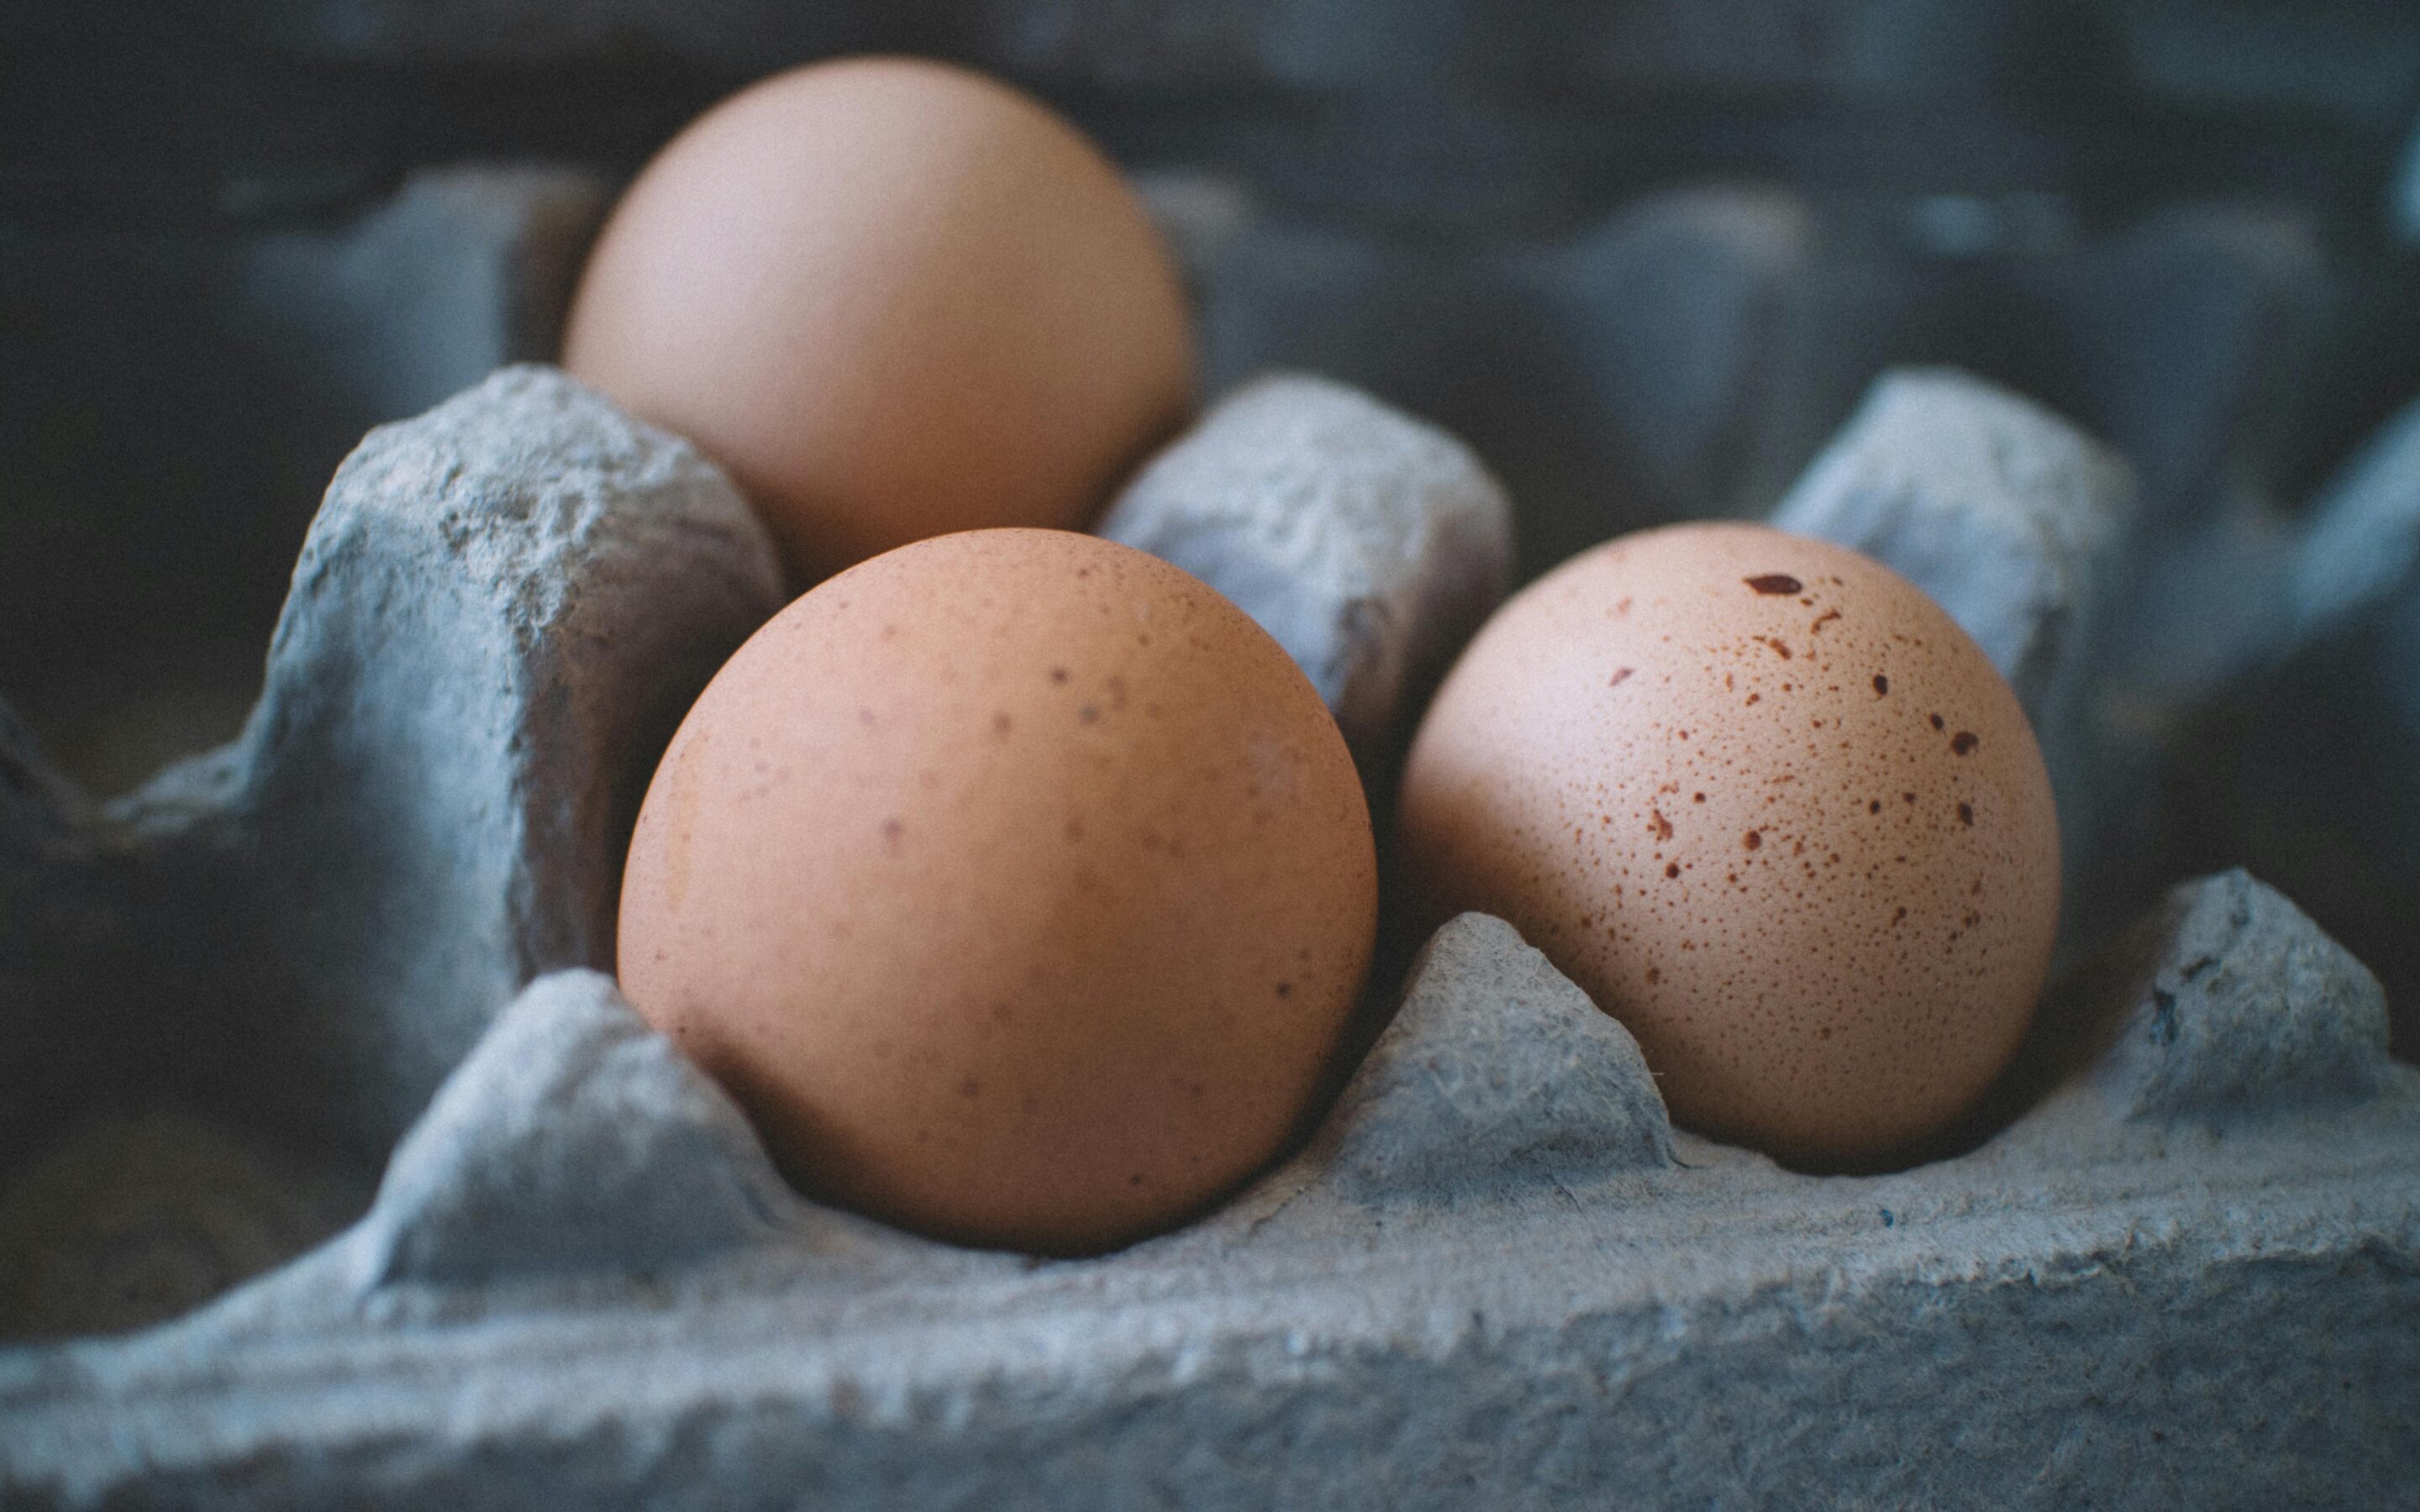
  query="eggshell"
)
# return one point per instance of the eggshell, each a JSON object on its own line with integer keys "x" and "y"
{"x": 894, "y": 299}
{"x": 1772, "y": 808}
{"x": 1018, "y": 885}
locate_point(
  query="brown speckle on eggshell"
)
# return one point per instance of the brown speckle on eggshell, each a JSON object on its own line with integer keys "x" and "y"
{"x": 1805, "y": 850}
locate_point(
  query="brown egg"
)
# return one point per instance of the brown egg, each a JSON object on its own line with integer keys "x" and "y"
{"x": 1015, "y": 882}
{"x": 1772, "y": 808}
{"x": 894, "y": 299}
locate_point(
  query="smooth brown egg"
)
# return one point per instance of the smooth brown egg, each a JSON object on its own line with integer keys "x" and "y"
{"x": 1772, "y": 808}
{"x": 1016, "y": 884}
{"x": 894, "y": 299}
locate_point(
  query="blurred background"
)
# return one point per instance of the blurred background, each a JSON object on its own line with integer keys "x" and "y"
{"x": 1645, "y": 255}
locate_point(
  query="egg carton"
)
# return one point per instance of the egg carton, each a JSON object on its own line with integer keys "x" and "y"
{"x": 2177, "y": 1261}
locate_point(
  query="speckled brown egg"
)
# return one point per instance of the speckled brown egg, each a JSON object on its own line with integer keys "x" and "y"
{"x": 1772, "y": 808}
{"x": 895, "y": 299}
{"x": 1016, "y": 882}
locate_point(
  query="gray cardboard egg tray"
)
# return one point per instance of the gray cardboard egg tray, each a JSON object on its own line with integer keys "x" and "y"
{"x": 2176, "y": 1264}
